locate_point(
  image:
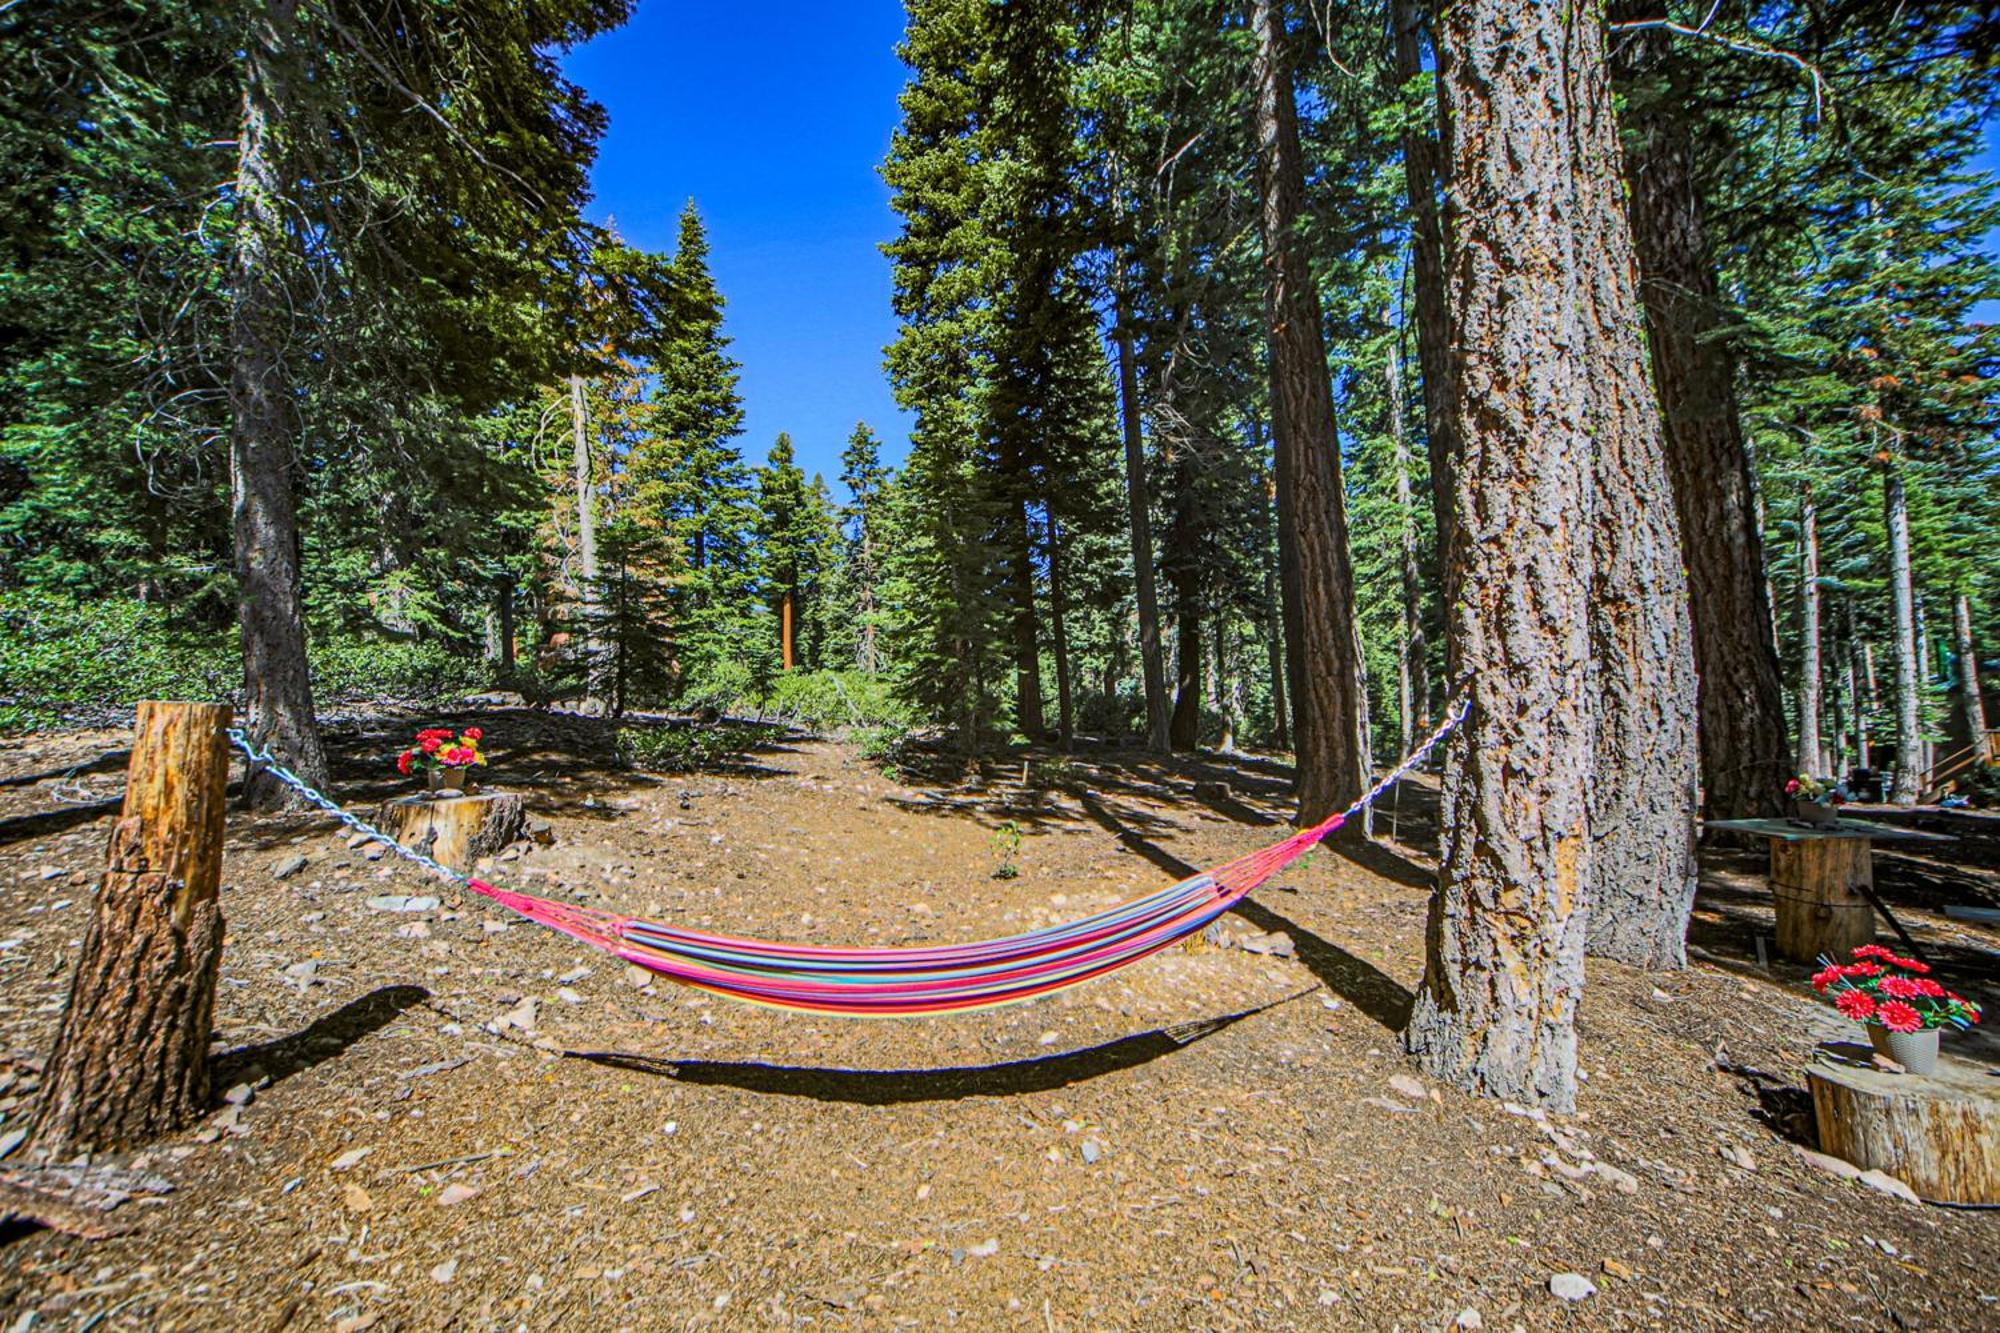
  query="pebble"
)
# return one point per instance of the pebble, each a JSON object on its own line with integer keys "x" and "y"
{"x": 1091, "y": 1150}
{"x": 348, "y": 1160}
{"x": 1406, "y": 1086}
{"x": 374, "y": 851}
{"x": 403, "y": 902}
{"x": 1468, "y": 1318}
{"x": 445, "y": 1271}
{"x": 286, "y": 867}
{"x": 455, "y": 1193}
{"x": 1572, "y": 1287}
{"x": 240, "y": 1095}
{"x": 356, "y": 1199}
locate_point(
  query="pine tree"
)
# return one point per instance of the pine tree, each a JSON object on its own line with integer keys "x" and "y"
{"x": 862, "y": 472}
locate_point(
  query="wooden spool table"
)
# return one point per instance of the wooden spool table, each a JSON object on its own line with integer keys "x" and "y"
{"x": 1822, "y": 880}
{"x": 454, "y": 830}
{"x": 1937, "y": 1133}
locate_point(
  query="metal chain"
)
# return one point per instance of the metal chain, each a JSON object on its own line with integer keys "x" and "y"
{"x": 265, "y": 760}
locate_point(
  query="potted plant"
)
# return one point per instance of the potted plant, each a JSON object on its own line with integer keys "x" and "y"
{"x": 1903, "y": 1009}
{"x": 1812, "y": 800}
{"x": 445, "y": 758}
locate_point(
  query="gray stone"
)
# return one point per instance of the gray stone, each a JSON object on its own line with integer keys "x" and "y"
{"x": 1572, "y": 1287}
{"x": 287, "y": 866}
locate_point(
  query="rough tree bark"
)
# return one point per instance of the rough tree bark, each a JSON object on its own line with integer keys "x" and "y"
{"x": 587, "y": 587}
{"x": 1812, "y": 751}
{"x": 1909, "y": 779}
{"x": 1412, "y": 683}
{"x": 1185, "y": 732}
{"x": 1427, "y": 247}
{"x": 130, "y": 1061}
{"x": 1646, "y": 785}
{"x": 1028, "y": 716}
{"x": 1321, "y": 639}
{"x": 1059, "y": 633}
{"x": 1972, "y": 707}
{"x": 1495, "y": 1013}
{"x": 277, "y": 682}
{"x": 1745, "y": 749}
{"x": 1139, "y": 505}
{"x": 1274, "y": 618}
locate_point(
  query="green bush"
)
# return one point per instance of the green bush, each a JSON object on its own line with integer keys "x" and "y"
{"x": 827, "y": 700}
{"x": 722, "y": 685}
{"x": 355, "y": 667}
{"x": 67, "y": 660}
{"x": 677, "y": 749}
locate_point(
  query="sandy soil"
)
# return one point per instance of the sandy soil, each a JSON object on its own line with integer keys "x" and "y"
{"x": 1210, "y": 1139}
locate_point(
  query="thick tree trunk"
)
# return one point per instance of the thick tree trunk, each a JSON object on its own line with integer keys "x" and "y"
{"x": 1059, "y": 634}
{"x": 1812, "y": 753}
{"x": 1496, "y": 1010}
{"x": 1185, "y": 733}
{"x": 1908, "y": 786}
{"x": 1315, "y": 572}
{"x": 277, "y": 680}
{"x": 587, "y": 590}
{"x": 1274, "y": 620}
{"x": 1139, "y": 505}
{"x": 1411, "y": 650}
{"x": 1646, "y": 785}
{"x": 1028, "y": 717}
{"x": 504, "y": 596}
{"x": 1972, "y": 707}
{"x": 130, "y": 1061}
{"x": 1421, "y": 169}
{"x": 788, "y": 635}
{"x": 1745, "y": 752}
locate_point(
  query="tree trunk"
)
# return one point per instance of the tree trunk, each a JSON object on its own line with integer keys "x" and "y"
{"x": 1139, "y": 502}
{"x": 1971, "y": 705}
{"x": 1871, "y": 705}
{"x": 504, "y": 595}
{"x": 130, "y": 1061}
{"x": 1228, "y": 692}
{"x": 1496, "y": 1010}
{"x": 1647, "y": 781}
{"x": 1274, "y": 621}
{"x": 1421, "y": 169}
{"x": 787, "y": 629}
{"x": 1745, "y": 755}
{"x": 1315, "y": 573}
{"x": 1812, "y": 753}
{"x": 1411, "y": 651}
{"x": 1059, "y": 635}
{"x": 1028, "y": 718}
{"x": 1909, "y": 778}
{"x": 277, "y": 680}
{"x": 586, "y": 533}
{"x": 1186, "y": 730}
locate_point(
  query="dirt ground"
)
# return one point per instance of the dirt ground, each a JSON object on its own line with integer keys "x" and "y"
{"x": 1215, "y": 1138}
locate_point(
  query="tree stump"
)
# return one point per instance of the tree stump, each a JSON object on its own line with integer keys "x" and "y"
{"x": 1939, "y": 1134}
{"x": 131, "y": 1054}
{"x": 1817, "y": 884}
{"x": 454, "y": 831}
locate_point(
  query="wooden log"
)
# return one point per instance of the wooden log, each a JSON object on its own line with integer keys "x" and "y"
{"x": 455, "y": 831}
{"x": 1939, "y": 1133}
{"x": 131, "y": 1053}
{"x": 1817, "y": 883}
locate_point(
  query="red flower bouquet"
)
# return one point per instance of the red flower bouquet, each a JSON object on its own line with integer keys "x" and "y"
{"x": 441, "y": 748}
{"x": 1883, "y": 989}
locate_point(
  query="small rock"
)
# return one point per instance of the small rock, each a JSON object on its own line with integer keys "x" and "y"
{"x": 455, "y": 1193}
{"x": 287, "y": 866}
{"x": 521, "y": 1016}
{"x": 1385, "y": 1104}
{"x": 1572, "y": 1287}
{"x": 1736, "y": 1156}
{"x": 574, "y": 975}
{"x": 1468, "y": 1319}
{"x": 403, "y": 902}
{"x": 568, "y": 996}
{"x": 356, "y": 1199}
{"x": 1091, "y": 1152}
{"x": 1889, "y": 1185}
{"x": 303, "y": 973}
{"x": 374, "y": 851}
{"x": 239, "y": 1095}
{"x": 445, "y": 1271}
{"x": 986, "y": 1249}
{"x": 1406, "y": 1086}
{"x": 637, "y": 977}
{"x": 1275, "y": 943}
{"x": 1047, "y": 1039}
{"x": 357, "y": 1323}
{"x": 348, "y": 1160}
{"x": 1618, "y": 1270}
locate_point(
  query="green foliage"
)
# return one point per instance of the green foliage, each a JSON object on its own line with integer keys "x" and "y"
{"x": 1006, "y": 846}
{"x": 680, "y": 749}
{"x": 829, "y": 700}
{"x": 61, "y": 658}
{"x": 359, "y": 668}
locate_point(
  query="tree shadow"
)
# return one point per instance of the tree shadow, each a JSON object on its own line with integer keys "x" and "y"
{"x": 892, "y": 1087}
{"x": 326, "y": 1037}
{"x": 111, "y": 762}
{"x": 1378, "y": 859}
{"x": 42, "y": 823}
{"x": 1362, "y": 984}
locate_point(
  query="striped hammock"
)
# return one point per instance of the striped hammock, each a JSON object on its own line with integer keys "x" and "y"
{"x": 886, "y": 982}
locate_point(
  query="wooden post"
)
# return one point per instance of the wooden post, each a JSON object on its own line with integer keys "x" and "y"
{"x": 1939, "y": 1133}
{"x": 131, "y": 1054}
{"x": 1817, "y": 884}
{"x": 455, "y": 831}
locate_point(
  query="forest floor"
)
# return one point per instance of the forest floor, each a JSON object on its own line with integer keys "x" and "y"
{"x": 1217, "y": 1137}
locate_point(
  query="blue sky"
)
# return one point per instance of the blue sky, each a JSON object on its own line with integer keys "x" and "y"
{"x": 773, "y": 118}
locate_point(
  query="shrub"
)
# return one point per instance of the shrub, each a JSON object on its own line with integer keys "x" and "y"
{"x": 723, "y": 685}
{"x": 828, "y": 700}
{"x": 63, "y": 660}
{"x": 675, "y": 749}
{"x": 354, "y": 667}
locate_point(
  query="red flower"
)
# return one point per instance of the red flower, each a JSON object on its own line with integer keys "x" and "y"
{"x": 431, "y": 744}
{"x": 474, "y": 734}
{"x": 1926, "y": 987}
{"x": 1857, "y": 1005}
{"x": 1899, "y": 1017}
{"x": 1901, "y": 988}
{"x": 1907, "y": 964}
{"x": 1792, "y": 787}
{"x": 1873, "y": 951}
{"x": 1826, "y": 977}
{"x": 403, "y": 762}
{"x": 1862, "y": 970}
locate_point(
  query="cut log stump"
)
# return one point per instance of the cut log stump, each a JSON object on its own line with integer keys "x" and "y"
{"x": 1939, "y": 1134}
{"x": 455, "y": 831}
{"x": 1817, "y": 884}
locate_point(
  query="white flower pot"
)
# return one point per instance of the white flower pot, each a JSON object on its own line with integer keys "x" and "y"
{"x": 1914, "y": 1051}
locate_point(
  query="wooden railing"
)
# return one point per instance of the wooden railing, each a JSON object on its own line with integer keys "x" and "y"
{"x": 1985, "y": 750}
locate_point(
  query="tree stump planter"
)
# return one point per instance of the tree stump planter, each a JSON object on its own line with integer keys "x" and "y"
{"x": 1817, "y": 885}
{"x": 1938, "y": 1133}
{"x": 454, "y": 831}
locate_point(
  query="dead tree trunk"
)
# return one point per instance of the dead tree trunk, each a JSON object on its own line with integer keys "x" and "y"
{"x": 1315, "y": 572}
{"x": 1970, "y": 704}
{"x": 586, "y": 533}
{"x": 277, "y": 680}
{"x": 1745, "y": 754}
{"x": 1495, "y": 1013}
{"x": 1646, "y": 786}
{"x": 1812, "y": 751}
{"x": 131, "y": 1053}
{"x": 1909, "y": 779}
{"x": 1139, "y": 505}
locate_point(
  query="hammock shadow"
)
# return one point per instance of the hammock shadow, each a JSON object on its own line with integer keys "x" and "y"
{"x": 1362, "y": 984}
{"x": 891, "y": 1087}
{"x": 325, "y": 1037}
